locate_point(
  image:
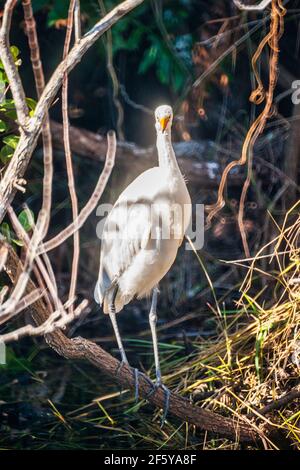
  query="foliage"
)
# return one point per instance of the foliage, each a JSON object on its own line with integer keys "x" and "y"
{"x": 9, "y": 141}
{"x": 7, "y": 112}
{"x": 26, "y": 219}
{"x": 164, "y": 44}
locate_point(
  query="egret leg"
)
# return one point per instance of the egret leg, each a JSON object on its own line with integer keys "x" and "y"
{"x": 124, "y": 360}
{"x": 112, "y": 316}
{"x": 153, "y": 321}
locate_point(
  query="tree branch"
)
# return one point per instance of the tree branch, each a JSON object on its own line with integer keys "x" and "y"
{"x": 131, "y": 157}
{"x": 68, "y": 156}
{"x": 80, "y": 348}
{"x": 289, "y": 397}
{"x": 39, "y": 79}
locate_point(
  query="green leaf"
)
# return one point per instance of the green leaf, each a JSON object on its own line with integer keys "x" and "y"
{"x": 11, "y": 141}
{"x": 149, "y": 59}
{"x": 6, "y": 153}
{"x": 31, "y": 103}
{"x": 26, "y": 219}
{"x": 3, "y": 126}
{"x": 134, "y": 40}
{"x": 5, "y": 230}
{"x": 11, "y": 114}
{"x": 17, "y": 242}
{"x": 15, "y": 52}
{"x": 8, "y": 104}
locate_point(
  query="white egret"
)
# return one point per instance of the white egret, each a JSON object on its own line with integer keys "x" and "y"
{"x": 141, "y": 236}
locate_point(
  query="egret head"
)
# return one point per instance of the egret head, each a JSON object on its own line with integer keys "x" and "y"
{"x": 163, "y": 118}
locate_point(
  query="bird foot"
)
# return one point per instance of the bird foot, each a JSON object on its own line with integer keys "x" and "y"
{"x": 136, "y": 374}
{"x": 166, "y": 403}
{"x": 120, "y": 366}
{"x": 136, "y": 384}
{"x": 158, "y": 384}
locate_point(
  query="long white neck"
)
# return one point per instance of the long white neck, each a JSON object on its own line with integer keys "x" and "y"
{"x": 166, "y": 155}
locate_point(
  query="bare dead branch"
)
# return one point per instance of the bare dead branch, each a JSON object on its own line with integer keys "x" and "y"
{"x": 39, "y": 78}
{"x": 46, "y": 271}
{"x": 24, "y": 303}
{"x": 3, "y": 293}
{"x": 30, "y": 29}
{"x": 135, "y": 159}
{"x": 22, "y": 281}
{"x": 79, "y": 348}
{"x": 68, "y": 156}
{"x": 287, "y": 398}
{"x": 77, "y": 21}
{"x": 54, "y": 322}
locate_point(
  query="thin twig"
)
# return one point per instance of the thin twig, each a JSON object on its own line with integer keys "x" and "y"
{"x": 24, "y": 303}
{"x": 54, "y": 322}
{"x": 22, "y": 281}
{"x": 77, "y": 21}
{"x": 68, "y": 156}
{"x": 289, "y": 397}
{"x": 39, "y": 78}
{"x": 44, "y": 271}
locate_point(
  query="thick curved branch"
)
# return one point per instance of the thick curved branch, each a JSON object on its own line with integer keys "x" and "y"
{"x": 191, "y": 156}
{"x": 79, "y": 348}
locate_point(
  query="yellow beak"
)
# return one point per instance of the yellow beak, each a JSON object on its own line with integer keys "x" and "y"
{"x": 164, "y": 122}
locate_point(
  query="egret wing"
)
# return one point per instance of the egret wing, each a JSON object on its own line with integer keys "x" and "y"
{"x": 126, "y": 232}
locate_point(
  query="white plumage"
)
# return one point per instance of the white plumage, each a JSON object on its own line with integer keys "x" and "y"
{"x": 132, "y": 253}
{"x": 142, "y": 234}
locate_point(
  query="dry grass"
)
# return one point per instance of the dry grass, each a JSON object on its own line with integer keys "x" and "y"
{"x": 255, "y": 357}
